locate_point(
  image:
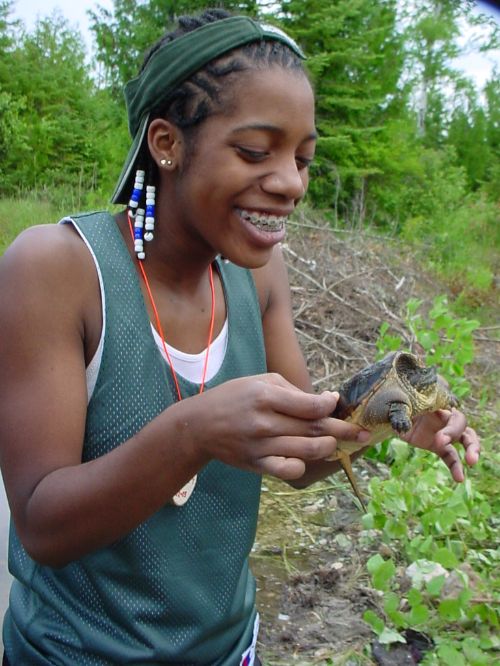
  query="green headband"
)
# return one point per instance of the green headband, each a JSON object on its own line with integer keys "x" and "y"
{"x": 175, "y": 62}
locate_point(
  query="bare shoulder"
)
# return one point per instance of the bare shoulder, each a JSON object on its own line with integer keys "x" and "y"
{"x": 53, "y": 246}
{"x": 49, "y": 260}
{"x": 49, "y": 283}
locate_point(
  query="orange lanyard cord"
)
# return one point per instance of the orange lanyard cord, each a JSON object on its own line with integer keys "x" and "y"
{"x": 159, "y": 326}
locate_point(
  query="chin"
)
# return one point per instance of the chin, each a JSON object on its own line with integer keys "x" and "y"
{"x": 249, "y": 260}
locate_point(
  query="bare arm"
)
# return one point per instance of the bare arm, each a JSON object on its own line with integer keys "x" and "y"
{"x": 285, "y": 357}
{"x": 63, "y": 508}
{"x": 435, "y": 432}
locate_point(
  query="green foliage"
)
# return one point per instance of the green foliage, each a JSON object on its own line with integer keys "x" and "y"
{"x": 355, "y": 60}
{"x": 124, "y": 33}
{"x": 57, "y": 131}
{"x": 17, "y": 215}
{"x": 368, "y": 61}
{"x": 446, "y": 340}
{"x": 461, "y": 237}
{"x": 446, "y": 532}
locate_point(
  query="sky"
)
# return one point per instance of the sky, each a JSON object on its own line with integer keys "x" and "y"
{"x": 476, "y": 66}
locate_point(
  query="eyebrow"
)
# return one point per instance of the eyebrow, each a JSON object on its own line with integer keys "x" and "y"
{"x": 267, "y": 127}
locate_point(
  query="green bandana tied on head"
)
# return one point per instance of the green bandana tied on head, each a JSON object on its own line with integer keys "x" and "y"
{"x": 175, "y": 62}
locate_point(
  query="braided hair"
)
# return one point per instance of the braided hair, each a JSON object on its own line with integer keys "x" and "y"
{"x": 199, "y": 97}
{"x": 207, "y": 91}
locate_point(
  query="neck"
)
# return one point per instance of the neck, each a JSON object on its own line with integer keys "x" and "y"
{"x": 173, "y": 259}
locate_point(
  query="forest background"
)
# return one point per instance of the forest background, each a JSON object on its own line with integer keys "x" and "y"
{"x": 409, "y": 153}
{"x": 408, "y": 144}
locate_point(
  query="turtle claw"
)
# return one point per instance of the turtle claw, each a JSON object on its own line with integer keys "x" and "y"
{"x": 399, "y": 417}
{"x": 400, "y": 425}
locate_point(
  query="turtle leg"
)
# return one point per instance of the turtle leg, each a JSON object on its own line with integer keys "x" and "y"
{"x": 345, "y": 460}
{"x": 399, "y": 416}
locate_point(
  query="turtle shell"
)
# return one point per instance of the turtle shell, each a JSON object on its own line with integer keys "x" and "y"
{"x": 360, "y": 386}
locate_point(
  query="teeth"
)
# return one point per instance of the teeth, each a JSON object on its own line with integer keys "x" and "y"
{"x": 262, "y": 221}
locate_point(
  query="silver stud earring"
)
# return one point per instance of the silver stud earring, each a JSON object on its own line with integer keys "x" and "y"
{"x": 165, "y": 162}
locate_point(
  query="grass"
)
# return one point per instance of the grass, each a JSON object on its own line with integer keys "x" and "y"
{"x": 16, "y": 215}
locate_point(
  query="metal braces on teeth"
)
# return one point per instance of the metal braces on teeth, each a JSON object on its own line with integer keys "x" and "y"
{"x": 270, "y": 222}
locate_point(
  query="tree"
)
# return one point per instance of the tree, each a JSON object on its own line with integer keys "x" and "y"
{"x": 124, "y": 34}
{"x": 52, "y": 122}
{"x": 355, "y": 60}
{"x": 467, "y": 132}
{"x": 434, "y": 38}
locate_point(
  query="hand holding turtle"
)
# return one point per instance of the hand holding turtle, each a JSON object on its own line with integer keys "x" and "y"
{"x": 437, "y": 431}
{"x": 265, "y": 424}
{"x": 399, "y": 394}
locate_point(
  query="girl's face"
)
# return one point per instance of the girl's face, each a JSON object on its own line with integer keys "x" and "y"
{"x": 249, "y": 168}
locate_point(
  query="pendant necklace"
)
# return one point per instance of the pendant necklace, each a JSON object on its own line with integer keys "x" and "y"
{"x": 182, "y": 496}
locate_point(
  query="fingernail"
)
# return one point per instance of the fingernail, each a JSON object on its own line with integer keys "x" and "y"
{"x": 363, "y": 436}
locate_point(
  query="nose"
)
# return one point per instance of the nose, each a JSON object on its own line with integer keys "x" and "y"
{"x": 286, "y": 180}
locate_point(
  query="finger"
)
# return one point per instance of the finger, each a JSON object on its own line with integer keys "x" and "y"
{"x": 281, "y": 467}
{"x": 300, "y": 404}
{"x": 281, "y": 425}
{"x": 303, "y": 448}
{"x": 347, "y": 432}
{"x": 452, "y": 460}
{"x": 454, "y": 428}
{"x": 472, "y": 446}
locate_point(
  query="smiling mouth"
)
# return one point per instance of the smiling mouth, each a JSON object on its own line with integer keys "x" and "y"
{"x": 262, "y": 220}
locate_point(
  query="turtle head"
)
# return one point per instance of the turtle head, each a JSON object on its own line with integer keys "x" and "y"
{"x": 425, "y": 381}
{"x": 413, "y": 372}
{"x": 445, "y": 399}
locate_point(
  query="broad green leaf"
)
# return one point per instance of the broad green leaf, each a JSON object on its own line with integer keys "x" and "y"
{"x": 418, "y": 615}
{"x": 389, "y": 636}
{"x": 446, "y": 519}
{"x": 473, "y": 653}
{"x": 395, "y": 529}
{"x": 391, "y": 602}
{"x": 384, "y": 327}
{"x": 450, "y": 656}
{"x": 374, "y": 563}
{"x": 414, "y": 597}
{"x": 398, "y": 619}
{"x": 383, "y": 575}
{"x": 450, "y": 609}
{"x": 375, "y": 622}
{"x": 434, "y": 586}
{"x": 445, "y": 557}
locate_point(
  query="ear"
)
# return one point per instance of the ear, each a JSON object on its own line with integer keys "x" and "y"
{"x": 165, "y": 141}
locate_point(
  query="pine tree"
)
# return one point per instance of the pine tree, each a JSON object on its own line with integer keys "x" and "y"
{"x": 355, "y": 60}
{"x": 124, "y": 34}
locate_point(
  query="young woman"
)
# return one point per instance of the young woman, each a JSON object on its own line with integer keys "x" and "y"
{"x": 151, "y": 374}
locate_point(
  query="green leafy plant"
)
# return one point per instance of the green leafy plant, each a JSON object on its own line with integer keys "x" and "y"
{"x": 444, "y": 535}
{"x": 446, "y": 340}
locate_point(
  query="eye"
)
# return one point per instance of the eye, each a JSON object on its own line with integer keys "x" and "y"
{"x": 252, "y": 155}
{"x": 303, "y": 162}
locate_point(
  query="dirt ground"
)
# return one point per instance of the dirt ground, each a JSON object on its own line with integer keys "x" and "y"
{"x": 311, "y": 549}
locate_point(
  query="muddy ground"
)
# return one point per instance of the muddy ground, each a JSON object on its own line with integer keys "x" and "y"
{"x": 311, "y": 549}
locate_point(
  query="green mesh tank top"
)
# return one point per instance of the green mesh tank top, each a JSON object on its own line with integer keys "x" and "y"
{"x": 176, "y": 590}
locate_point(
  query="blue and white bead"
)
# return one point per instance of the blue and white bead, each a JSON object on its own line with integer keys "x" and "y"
{"x": 149, "y": 224}
{"x": 137, "y": 191}
{"x": 139, "y": 234}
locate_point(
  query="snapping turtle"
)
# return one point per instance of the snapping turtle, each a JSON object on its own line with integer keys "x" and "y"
{"x": 385, "y": 397}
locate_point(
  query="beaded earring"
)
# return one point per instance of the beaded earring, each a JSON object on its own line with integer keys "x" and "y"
{"x": 150, "y": 212}
{"x": 144, "y": 219}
